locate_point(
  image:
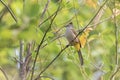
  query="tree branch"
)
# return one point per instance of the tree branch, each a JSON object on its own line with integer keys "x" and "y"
{"x": 41, "y": 42}
{"x": 10, "y": 11}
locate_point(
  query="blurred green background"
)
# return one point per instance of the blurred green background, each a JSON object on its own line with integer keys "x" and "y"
{"x": 99, "y": 51}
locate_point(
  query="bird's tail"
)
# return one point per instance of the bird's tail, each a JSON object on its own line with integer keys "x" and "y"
{"x": 80, "y": 57}
{"x": 77, "y": 46}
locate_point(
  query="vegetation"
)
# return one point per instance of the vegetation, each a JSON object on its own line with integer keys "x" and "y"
{"x": 33, "y": 46}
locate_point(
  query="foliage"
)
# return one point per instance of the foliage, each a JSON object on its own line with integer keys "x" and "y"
{"x": 34, "y": 17}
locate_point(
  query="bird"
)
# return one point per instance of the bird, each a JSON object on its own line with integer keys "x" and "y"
{"x": 78, "y": 41}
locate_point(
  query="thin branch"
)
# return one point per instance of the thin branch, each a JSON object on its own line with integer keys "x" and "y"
{"x": 51, "y": 62}
{"x": 41, "y": 42}
{"x": 92, "y": 19}
{"x": 45, "y": 9}
{"x": 10, "y": 11}
{"x": 4, "y": 73}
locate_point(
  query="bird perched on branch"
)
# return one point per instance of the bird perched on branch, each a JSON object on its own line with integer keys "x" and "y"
{"x": 77, "y": 41}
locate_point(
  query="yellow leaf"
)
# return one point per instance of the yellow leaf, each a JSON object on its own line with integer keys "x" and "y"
{"x": 84, "y": 35}
{"x": 91, "y": 3}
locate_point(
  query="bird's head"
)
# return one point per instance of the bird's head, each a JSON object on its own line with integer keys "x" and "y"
{"x": 70, "y": 25}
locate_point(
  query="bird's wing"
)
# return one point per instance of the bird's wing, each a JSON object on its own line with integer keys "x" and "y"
{"x": 77, "y": 38}
{"x": 74, "y": 32}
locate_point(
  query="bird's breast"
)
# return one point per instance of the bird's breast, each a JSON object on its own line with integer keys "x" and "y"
{"x": 70, "y": 35}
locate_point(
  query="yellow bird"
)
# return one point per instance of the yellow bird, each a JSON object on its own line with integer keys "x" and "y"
{"x": 79, "y": 41}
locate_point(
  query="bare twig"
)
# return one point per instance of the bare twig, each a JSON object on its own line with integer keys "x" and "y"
{"x": 41, "y": 42}
{"x": 45, "y": 9}
{"x": 10, "y": 11}
{"x": 4, "y": 73}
